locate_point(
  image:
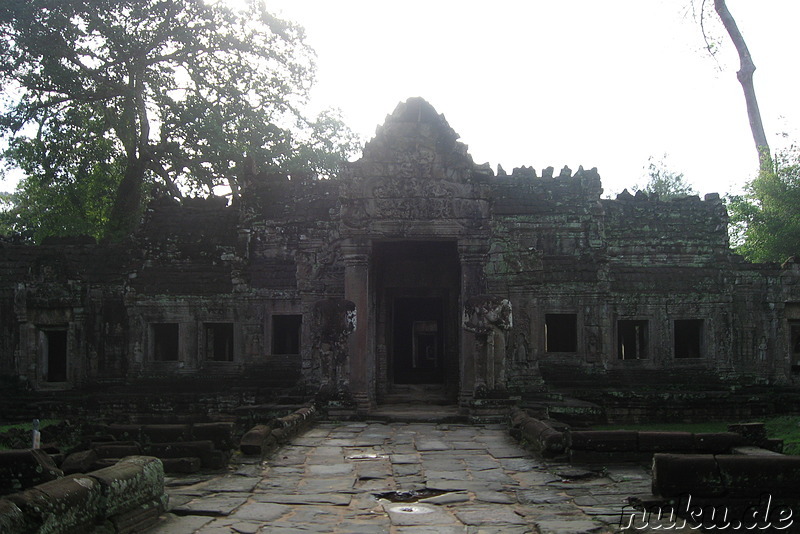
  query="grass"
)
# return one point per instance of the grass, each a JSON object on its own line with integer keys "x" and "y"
{"x": 29, "y": 426}
{"x": 785, "y": 427}
{"x": 669, "y": 427}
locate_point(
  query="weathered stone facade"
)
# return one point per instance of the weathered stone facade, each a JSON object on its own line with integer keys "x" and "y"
{"x": 602, "y": 292}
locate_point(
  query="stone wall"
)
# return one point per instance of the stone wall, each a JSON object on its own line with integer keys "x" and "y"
{"x": 629, "y": 292}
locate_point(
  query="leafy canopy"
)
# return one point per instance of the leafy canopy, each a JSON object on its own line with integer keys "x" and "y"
{"x": 664, "y": 182}
{"x": 109, "y": 101}
{"x": 765, "y": 220}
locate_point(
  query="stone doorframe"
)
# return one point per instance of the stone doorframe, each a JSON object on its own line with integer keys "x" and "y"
{"x": 359, "y": 288}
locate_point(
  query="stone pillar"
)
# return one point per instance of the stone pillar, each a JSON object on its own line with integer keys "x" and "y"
{"x": 333, "y": 320}
{"x": 472, "y": 257}
{"x": 489, "y": 317}
{"x": 357, "y": 289}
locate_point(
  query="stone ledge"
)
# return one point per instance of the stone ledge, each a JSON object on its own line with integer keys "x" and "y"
{"x": 76, "y": 503}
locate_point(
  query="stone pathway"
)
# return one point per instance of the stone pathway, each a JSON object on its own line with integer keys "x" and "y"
{"x": 352, "y": 478}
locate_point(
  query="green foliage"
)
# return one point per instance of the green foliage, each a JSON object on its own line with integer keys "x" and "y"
{"x": 765, "y": 220}
{"x": 787, "y": 428}
{"x": 663, "y": 182}
{"x": 707, "y": 426}
{"x": 108, "y": 98}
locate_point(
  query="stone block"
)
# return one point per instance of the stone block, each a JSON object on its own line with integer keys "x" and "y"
{"x": 544, "y": 439}
{"x": 666, "y": 441}
{"x": 69, "y": 504}
{"x": 603, "y": 440}
{"x": 21, "y": 469}
{"x": 181, "y": 449}
{"x": 181, "y": 465}
{"x": 679, "y": 474}
{"x": 12, "y": 519}
{"x": 139, "y": 519}
{"x": 166, "y": 433}
{"x": 753, "y": 433}
{"x": 129, "y": 483}
{"x": 220, "y": 433}
{"x": 257, "y": 441}
{"x": 125, "y": 432}
{"x": 752, "y": 476}
{"x": 717, "y": 442}
{"x": 607, "y": 457}
{"x": 114, "y": 450}
{"x": 79, "y": 462}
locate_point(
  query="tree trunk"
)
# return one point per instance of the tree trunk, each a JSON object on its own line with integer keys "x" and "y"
{"x": 125, "y": 212}
{"x": 745, "y": 76}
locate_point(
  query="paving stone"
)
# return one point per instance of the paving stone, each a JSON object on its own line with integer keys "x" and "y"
{"x": 508, "y": 452}
{"x": 327, "y": 470}
{"x": 438, "y": 529}
{"x": 432, "y": 445}
{"x": 480, "y": 463}
{"x": 404, "y": 459}
{"x": 246, "y": 527}
{"x": 212, "y": 505}
{"x": 333, "y": 499}
{"x": 568, "y": 527}
{"x": 518, "y": 464}
{"x": 453, "y": 497}
{"x": 463, "y": 485}
{"x": 326, "y": 485}
{"x": 494, "y": 497}
{"x": 541, "y": 497}
{"x": 494, "y": 475}
{"x": 173, "y": 524}
{"x": 535, "y": 478}
{"x": 447, "y": 475}
{"x": 261, "y": 511}
{"x": 327, "y": 479}
{"x": 342, "y": 442}
{"x": 467, "y": 445}
{"x": 403, "y": 470}
{"x": 488, "y": 515}
{"x": 251, "y": 470}
{"x": 240, "y": 484}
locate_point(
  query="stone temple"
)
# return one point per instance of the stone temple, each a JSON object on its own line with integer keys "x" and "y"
{"x": 414, "y": 269}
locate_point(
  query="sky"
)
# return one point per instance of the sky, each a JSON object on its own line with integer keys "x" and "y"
{"x": 606, "y": 84}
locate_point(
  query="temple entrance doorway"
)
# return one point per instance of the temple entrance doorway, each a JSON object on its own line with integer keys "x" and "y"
{"x": 418, "y": 344}
{"x": 417, "y": 292}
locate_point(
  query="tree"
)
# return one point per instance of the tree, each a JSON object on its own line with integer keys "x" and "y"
{"x": 116, "y": 97}
{"x": 663, "y": 182}
{"x": 765, "y": 221}
{"x": 745, "y": 75}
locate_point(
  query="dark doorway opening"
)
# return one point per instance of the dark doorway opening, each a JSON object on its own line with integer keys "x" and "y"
{"x": 688, "y": 338}
{"x": 56, "y": 356}
{"x": 165, "y": 342}
{"x": 219, "y": 342}
{"x": 632, "y": 340}
{"x": 286, "y": 334}
{"x": 418, "y": 340}
{"x": 561, "y": 332}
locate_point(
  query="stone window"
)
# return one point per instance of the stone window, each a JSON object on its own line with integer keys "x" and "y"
{"x": 632, "y": 340}
{"x": 688, "y": 338}
{"x": 286, "y": 334}
{"x": 561, "y": 332}
{"x": 165, "y": 342}
{"x": 55, "y": 356}
{"x": 219, "y": 341}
